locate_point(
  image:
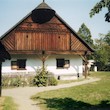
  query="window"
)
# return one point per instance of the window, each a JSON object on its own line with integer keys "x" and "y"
{"x": 62, "y": 63}
{"x": 67, "y": 64}
{"x": 20, "y": 64}
{"x": 14, "y": 65}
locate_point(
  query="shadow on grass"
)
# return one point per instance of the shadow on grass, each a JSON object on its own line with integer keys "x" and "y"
{"x": 70, "y": 104}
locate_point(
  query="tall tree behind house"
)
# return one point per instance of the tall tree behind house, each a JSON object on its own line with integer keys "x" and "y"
{"x": 85, "y": 34}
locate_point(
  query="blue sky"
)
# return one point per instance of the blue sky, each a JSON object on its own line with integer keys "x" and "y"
{"x": 74, "y": 12}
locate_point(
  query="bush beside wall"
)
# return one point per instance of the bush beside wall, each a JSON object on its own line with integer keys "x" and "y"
{"x": 42, "y": 78}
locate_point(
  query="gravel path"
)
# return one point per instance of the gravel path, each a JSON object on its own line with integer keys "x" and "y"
{"x": 22, "y": 95}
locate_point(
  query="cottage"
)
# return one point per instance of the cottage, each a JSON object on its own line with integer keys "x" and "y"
{"x": 53, "y": 43}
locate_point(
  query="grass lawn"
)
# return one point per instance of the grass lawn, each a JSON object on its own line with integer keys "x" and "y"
{"x": 94, "y": 96}
{"x": 6, "y": 103}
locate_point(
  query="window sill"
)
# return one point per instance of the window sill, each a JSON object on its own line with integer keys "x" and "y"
{"x": 62, "y": 67}
{"x": 21, "y": 69}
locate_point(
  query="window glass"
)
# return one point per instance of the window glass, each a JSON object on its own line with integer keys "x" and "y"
{"x": 14, "y": 65}
{"x": 20, "y": 64}
{"x": 67, "y": 64}
{"x": 60, "y": 63}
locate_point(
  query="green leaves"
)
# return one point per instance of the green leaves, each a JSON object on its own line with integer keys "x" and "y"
{"x": 98, "y": 7}
{"x": 85, "y": 34}
{"x": 102, "y": 55}
{"x": 44, "y": 78}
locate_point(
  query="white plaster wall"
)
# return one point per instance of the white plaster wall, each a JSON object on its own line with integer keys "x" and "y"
{"x": 33, "y": 62}
{"x": 75, "y": 65}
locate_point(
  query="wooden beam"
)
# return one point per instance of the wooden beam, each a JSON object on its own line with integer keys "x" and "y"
{"x": 86, "y": 68}
{"x": 65, "y": 52}
{"x": 47, "y": 52}
{"x": 85, "y": 65}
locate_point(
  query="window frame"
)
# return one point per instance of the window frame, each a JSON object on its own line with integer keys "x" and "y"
{"x": 20, "y": 64}
{"x": 63, "y": 64}
{"x": 58, "y": 62}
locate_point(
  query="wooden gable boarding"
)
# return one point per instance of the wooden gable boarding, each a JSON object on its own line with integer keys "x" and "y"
{"x": 53, "y": 37}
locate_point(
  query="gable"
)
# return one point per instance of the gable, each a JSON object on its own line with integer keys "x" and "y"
{"x": 56, "y": 36}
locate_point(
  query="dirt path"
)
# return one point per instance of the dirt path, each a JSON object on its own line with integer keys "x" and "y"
{"x": 22, "y": 95}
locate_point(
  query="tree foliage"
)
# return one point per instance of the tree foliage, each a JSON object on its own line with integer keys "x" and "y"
{"x": 107, "y": 38}
{"x": 85, "y": 34}
{"x": 98, "y": 7}
{"x": 44, "y": 78}
{"x": 102, "y": 55}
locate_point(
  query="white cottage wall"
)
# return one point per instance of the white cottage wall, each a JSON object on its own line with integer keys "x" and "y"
{"x": 33, "y": 62}
{"x": 75, "y": 65}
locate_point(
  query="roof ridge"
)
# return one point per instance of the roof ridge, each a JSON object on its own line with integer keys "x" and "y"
{"x": 43, "y": 5}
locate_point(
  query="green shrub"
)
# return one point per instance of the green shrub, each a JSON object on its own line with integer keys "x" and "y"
{"x": 52, "y": 81}
{"x": 23, "y": 83}
{"x": 30, "y": 80}
{"x": 41, "y": 77}
{"x": 16, "y": 82}
{"x": 5, "y": 81}
{"x": 44, "y": 78}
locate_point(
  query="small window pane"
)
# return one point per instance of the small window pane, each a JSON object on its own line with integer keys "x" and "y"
{"x": 14, "y": 65}
{"x": 67, "y": 64}
{"x": 60, "y": 63}
{"x": 21, "y": 64}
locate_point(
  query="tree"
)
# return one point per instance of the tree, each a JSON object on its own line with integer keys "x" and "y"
{"x": 102, "y": 53}
{"x": 107, "y": 38}
{"x": 85, "y": 34}
{"x": 98, "y": 7}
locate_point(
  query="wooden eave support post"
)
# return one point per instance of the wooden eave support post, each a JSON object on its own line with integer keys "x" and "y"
{"x": 43, "y": 57}
{"x": 85, "y": 64}
{"x": 86, "y": 67}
